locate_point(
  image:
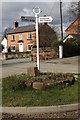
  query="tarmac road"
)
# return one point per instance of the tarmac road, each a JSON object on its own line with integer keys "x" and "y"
{"x": 65, "y": 65}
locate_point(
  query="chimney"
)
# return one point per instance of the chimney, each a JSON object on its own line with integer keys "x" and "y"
{"x": 15, "y": 24}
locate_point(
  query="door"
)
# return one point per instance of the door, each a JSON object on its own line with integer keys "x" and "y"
{"x": 20, "y": 47}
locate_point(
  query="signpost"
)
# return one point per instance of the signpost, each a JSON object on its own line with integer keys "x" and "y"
{"x": 28, "y": 18}
{"x": 37, "y": 11}
{"x": 45, "y": 19}
{"x": 37, "y": 19}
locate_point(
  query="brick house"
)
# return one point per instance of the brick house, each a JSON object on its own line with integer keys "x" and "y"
{"x": 21, "y": 38}
{"x": 74, "y": 28}
{"x": 72, "y": 40}
{"x": 73, "y": 31}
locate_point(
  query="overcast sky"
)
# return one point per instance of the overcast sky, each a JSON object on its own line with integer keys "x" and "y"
{"x": 12, "y": 11}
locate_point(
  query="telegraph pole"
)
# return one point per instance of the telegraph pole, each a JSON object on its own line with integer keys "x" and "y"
{"x": 61, "y": 30}
{"x": 61, "y": 21}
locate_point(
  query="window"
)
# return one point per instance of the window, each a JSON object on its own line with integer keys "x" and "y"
{"x": 13, "y": 48}
{"x": 29, "y": 36}
{"x": 30, "y": 47}
{"x": 12, "y": 38}
{"x": 20, "y": 36}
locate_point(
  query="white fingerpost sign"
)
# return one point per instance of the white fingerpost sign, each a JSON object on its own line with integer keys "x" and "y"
{"x": 45, "y": 19}
{"x": 37, "y": 11}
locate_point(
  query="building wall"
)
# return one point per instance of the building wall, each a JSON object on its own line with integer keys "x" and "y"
{"x": 24, "y": 38}
{"x": 73, "y": 28}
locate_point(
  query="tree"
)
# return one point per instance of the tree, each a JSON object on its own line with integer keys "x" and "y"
{"x": 71, "y": 47}
{"x": 74, "y": 9}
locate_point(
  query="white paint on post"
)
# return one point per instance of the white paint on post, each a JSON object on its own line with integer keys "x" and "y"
{"x": 60, "y": 51}
{"x": 36, "y": 11}
{"x": 37, "y": 39}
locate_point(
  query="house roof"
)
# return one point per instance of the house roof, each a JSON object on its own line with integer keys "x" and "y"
{"x": 21, "y": 29}
{"x": 73, "y": 23}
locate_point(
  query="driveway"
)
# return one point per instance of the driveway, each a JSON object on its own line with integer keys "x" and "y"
{"x": 65, "y": 65}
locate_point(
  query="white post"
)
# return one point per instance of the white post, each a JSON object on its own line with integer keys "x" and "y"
{"x": 37, "y": 42}
{"x": 36, "y": 10}
{"x": 60, "y": 51}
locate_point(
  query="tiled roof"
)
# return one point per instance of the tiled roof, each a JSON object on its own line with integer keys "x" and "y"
{"x": 21, "y": 29}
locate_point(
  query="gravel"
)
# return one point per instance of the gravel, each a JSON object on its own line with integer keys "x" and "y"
{"x": 68, "y": 115}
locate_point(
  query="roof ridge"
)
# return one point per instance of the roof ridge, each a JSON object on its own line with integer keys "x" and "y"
{"x": 21, "y": 29}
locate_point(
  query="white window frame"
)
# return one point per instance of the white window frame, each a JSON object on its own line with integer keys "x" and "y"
{"x": 28, "y": 47}
{"x": 28, "y": 36}
{"x": 12, "y": 38}
{"x": 13, "y": 50}
{"x": 20, "y": 36}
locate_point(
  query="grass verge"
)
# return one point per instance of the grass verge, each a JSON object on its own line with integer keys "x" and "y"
{"x": 27, "y": 96}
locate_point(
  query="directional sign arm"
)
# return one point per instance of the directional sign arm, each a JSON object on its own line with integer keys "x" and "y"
{"x": 27, "y": 18}
{"x": 45, "y": 19}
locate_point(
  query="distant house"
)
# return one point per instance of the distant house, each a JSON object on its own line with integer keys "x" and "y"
{"x": 23, "y": 38}
{"x": 74, "y": 28}
{"x": 4, "y": 45}
{"x": 72, "y": 39}
{"x": 73, "y": 31}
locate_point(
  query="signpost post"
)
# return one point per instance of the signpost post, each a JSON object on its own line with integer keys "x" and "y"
{"x": 37, "y": 11}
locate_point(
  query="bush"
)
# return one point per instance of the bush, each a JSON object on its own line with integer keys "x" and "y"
{"x": 71, "y": 48}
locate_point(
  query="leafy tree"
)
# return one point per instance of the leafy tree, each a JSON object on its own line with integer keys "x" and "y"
{"x": 71, "y": 47}
{"x": 74, "y": 9}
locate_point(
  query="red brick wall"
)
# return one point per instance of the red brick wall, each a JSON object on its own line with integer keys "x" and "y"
{"x": 73, "y": 28}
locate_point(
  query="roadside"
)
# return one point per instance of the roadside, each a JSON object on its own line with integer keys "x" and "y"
{"x": 68, "y": 115}
{"x": 69, "y": 60}
{"x": 61, "y": 111}
{"x": 65, "y": 65}
{"x": 14, "y": 61}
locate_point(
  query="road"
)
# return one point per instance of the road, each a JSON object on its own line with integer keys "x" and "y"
{"x": 65, "y": 65}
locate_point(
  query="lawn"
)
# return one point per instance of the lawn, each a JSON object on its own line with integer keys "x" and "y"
{"x": 13, "y": 95}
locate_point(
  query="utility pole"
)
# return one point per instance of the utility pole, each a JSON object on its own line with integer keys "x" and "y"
{"x": 61, "y": 21}
{"x": 61, "y": 30}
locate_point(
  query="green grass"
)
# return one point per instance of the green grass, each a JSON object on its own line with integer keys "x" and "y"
{"x": 27, "y": 96}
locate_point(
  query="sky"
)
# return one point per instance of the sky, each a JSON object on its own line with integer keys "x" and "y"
{"x": 12, "y": 10}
